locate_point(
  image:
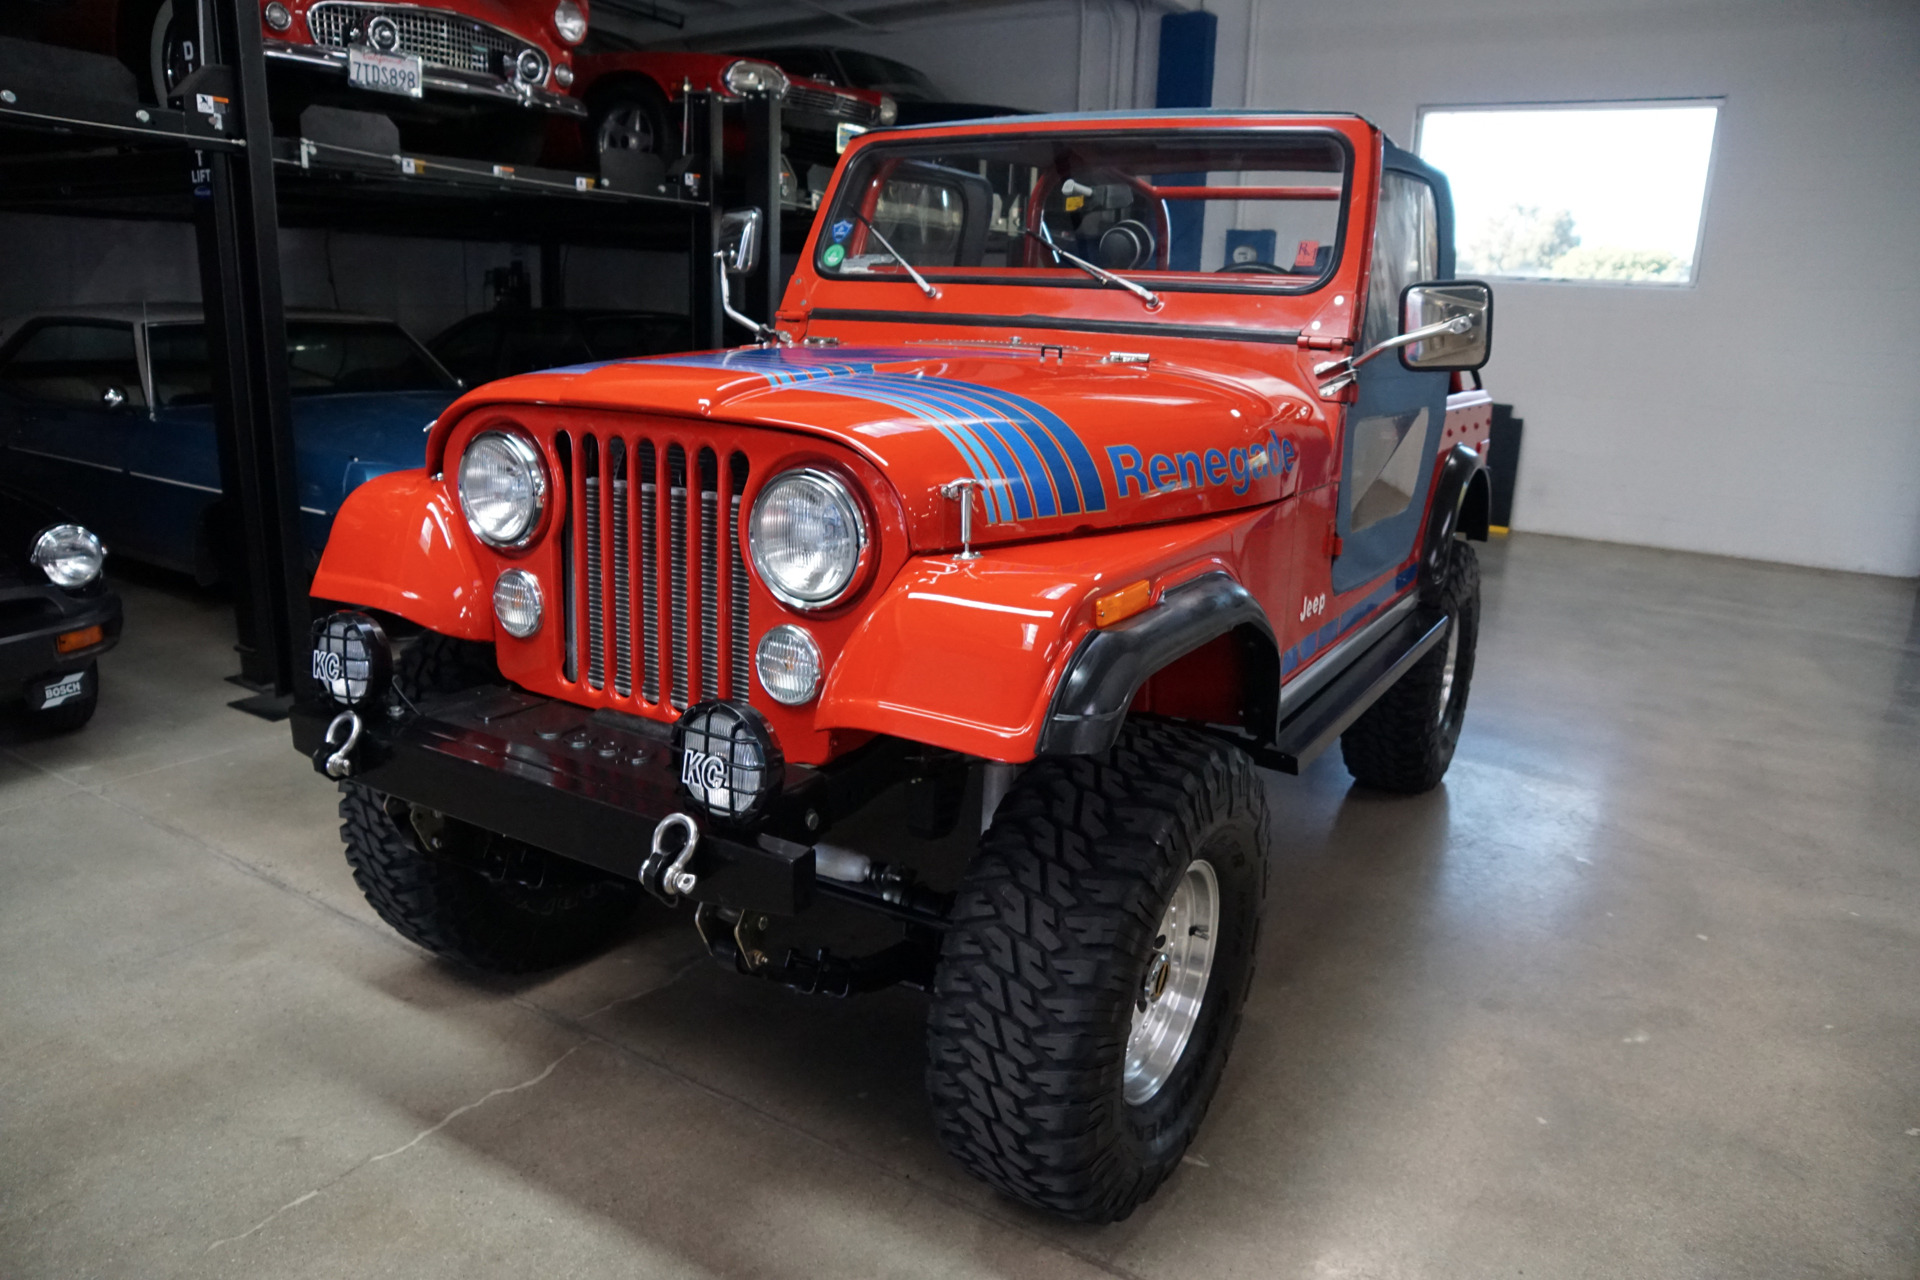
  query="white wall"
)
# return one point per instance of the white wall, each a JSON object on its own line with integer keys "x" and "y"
{"x": 1773, "y": 410}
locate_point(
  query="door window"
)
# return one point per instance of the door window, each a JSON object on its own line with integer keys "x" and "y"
{"x": 1406, "y": 250}
{"x": 78, "y": 363}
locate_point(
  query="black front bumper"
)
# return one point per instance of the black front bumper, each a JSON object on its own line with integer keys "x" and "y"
{"x": 587, "y": 785}
{"x": 33, "y": 618}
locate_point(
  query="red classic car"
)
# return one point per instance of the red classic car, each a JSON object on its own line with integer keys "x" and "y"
{"x": 634, "y": 94}
{"x": 455, "y": 75}
{"x": 1089, "y": 463}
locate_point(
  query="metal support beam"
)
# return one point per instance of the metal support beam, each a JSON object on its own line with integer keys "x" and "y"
{"x": 247, "y": 346}
{"x": 762, "y": 191}
{"x": 706, "y": 157}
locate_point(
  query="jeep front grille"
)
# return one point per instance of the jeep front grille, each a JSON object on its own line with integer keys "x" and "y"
{"x": 651, "y": 619}
{"x": 440, "y": 38}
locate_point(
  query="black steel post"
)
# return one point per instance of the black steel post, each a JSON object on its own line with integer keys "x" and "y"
{"x": 553, "y": 274}
{"x": 763, "y": 287}
{"x": 707, "y": 157}
{"x": 247, "y": 348}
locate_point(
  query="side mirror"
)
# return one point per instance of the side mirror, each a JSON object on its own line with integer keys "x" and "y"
{"x": 740, "y": 241}
{"x": 1434, "y": 311}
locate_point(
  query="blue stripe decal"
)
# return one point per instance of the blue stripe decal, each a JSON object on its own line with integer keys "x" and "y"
{"x": 1031, "y": 462}
{"x": 1312, "y": 645}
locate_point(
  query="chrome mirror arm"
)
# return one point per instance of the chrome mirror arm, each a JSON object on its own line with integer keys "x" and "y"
{"x": 1348, "y": 364}
{"x": 760, "y": 331}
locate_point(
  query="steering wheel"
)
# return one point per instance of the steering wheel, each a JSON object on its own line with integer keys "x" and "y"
{"x": 1253, "y": 268}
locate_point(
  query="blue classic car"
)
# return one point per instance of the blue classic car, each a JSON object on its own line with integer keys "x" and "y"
{"x": 107, "y": 412}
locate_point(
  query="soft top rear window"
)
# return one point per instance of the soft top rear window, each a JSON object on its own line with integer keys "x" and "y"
{"x": 1246, "y": 211}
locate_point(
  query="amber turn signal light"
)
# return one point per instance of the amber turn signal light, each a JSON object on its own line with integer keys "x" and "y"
{"x": 74, "y": 641}
{"x": 1124, "y": 603}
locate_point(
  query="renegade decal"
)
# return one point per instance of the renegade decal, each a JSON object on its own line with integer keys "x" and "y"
{"x": 1030, "y": 462}
{"x": 1195, "y": 468}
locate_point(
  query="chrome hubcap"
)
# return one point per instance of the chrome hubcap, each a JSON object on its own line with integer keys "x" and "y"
{"x": 627, "y": 129}
{"x": 1175, "y": 985}
{"x": 1453, "y": 661}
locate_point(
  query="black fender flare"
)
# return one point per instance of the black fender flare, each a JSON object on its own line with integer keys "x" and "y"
{"x": 1109, "y": 666}
{"x": 1462, "y": 504}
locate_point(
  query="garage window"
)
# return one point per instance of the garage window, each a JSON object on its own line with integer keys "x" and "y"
{"x": 1597, "y": 192}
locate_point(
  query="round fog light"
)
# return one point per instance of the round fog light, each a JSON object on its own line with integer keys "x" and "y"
{"x": 516, "y": 603}
{"x": 278, "y": 16}
{"x": 563, "y": 76}
{"x": 352, "y": 659}
{"x": 788, "y": 663}
{"x": 729, "y": 761}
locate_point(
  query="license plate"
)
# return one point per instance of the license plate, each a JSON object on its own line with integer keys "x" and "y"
{"x": 383, "y": 72}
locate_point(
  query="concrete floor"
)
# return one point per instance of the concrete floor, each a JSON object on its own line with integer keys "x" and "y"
{"x": 1637, "y": 993}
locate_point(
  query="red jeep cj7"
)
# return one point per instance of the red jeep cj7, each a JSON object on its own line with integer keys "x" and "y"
{"x": 1093, "y": 462}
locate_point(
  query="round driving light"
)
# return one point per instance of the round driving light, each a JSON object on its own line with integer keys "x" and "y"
{"x": 889, "y": 109}
{"x": 383, "y": 33}
{"x": 516, "y": 603}
{"x": 69, "y": 555}
{"x": 807, "y": 534}
{"x": 728, "y": 759}
{"x": 278, "y": 17}
{"x": 563, "y": 76}
{"x": 747, "y": 76}
{"x": 530, "y": 66}
{"x": 570, "y": 22}
{"x": 503, "y": 488}
{"x": 788, "y": 664}
{"x": 352, "y": 659}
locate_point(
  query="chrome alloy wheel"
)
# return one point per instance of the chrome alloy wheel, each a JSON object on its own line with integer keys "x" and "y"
{"x": 1453, "y": 663}
{"x": 1168, "y": 1006}
{"x": 628, "y": 128}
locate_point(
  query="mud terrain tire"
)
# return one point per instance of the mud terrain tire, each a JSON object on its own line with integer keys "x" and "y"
{"x": 550, "y": 911}
{"x": 1405, "y": 741}
{"x": 1053, "y": 938}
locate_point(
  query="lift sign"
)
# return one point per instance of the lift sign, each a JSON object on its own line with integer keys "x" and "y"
{"x": 1195, "y": 469}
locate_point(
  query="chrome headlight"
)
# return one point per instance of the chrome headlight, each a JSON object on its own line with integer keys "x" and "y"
{"x": 570, "y": 21}
{"x": 889, "y": 109}
{"x": 503, "y": 488}
{"x": 278, "y": 16}
{"x": 747, "y": 76}
{"x": 807, "y": 534}
{"x": 69, "y": 555}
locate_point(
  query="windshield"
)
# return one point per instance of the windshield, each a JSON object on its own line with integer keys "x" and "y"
{"x": 1241, "y": 211}
{"x": 322, "y": 356}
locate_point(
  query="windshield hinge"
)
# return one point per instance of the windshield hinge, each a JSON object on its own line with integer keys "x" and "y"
{"x": 1314, "y": 342}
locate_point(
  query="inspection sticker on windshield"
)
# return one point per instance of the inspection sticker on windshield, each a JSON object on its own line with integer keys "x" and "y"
{"x": 842, "y": 229}
{"x": 834, "y": 256}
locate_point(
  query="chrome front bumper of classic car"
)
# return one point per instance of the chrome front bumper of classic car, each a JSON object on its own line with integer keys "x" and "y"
{"x": 470, "y": 84}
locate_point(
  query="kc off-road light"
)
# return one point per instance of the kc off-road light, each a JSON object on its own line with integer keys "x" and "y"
{"x": 788, "y": 663}
{"x": 352, "y": 659}
{"x": 503, "y": 488}
{"x": 807, "y": 534}
{"x": 728, "y": 759}
{"x": 516, "y": 603}
{"x": 69, "y": 555}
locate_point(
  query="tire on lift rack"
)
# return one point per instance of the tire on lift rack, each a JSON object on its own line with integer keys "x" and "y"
{"x": 1043, "y": 1082}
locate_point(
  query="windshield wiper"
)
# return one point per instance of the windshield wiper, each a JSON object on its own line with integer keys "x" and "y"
{"x": 1101, "y": 274}
{"x": 918, "y": 279}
